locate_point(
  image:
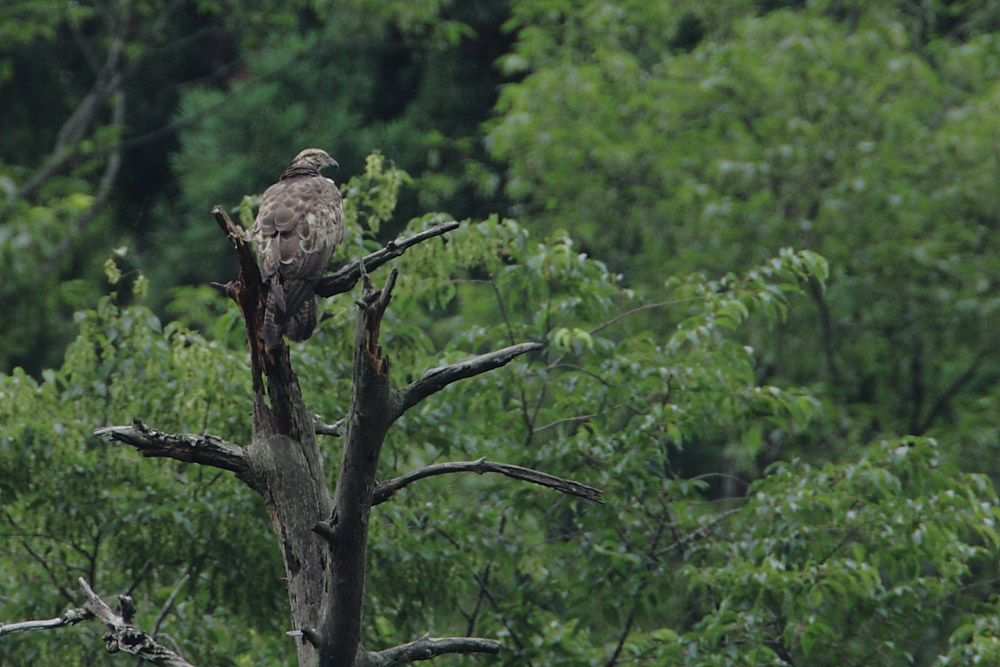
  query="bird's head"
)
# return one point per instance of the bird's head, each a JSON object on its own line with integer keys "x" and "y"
{"x": 314, "y": 158}
{"x": 308, "y": 163}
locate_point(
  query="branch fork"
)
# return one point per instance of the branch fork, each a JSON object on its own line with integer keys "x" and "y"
{"x": 323, "y": 536}
{"x": 122, "y": 637}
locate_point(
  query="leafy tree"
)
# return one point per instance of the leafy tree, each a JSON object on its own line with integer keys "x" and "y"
{"x": 783, "y": 448}
{"x": 854, "y": 130}
{"x": 124, "y": 119}
{"x": 827, "y": 564}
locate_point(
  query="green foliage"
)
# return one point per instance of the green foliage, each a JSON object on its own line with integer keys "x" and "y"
{"x": 756, "y": 415}
{"x": 846, "y": 564}
{"x": 125, "y": 123}
{"x": 357, "y": 78}
{"x": 852, "y": 130}
{"x": 73, "y": 505}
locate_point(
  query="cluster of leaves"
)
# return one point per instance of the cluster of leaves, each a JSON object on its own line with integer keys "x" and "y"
{"x": 858, "y": 131}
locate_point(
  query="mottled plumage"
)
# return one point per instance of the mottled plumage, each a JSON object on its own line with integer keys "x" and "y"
{"x": 299, "y": 222}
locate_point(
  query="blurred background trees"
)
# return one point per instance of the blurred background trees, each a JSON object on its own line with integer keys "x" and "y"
{"x": 680, "y": 145}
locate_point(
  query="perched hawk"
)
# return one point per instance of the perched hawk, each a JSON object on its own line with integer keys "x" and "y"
{"x": 300, "y": 221}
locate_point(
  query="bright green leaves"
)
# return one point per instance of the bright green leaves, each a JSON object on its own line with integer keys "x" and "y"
{"x": 369, "y": 200}
{"x": 112, "y": 271}
{"x": 977, "y": 639}
{"x": 832, "y": 554}
{"x": 572, "y": 340}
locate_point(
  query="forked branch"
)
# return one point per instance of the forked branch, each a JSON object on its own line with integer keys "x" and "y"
{"x": 386, "y": 489}
{"x": 123, "y": 637}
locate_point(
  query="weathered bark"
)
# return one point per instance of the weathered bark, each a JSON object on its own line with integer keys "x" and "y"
{"x": 285, "y": 462}
{"x": 323, "y": 539}
{"x": 204, "y": 449}
{"x": 367, "y": 423}
{"x": 387, "y": 489}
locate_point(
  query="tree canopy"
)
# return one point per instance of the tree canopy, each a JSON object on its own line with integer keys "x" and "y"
{"x": 756, "y": 240}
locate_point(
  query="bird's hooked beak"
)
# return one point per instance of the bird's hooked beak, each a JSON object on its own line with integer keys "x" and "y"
{"x": 330, "y": 162}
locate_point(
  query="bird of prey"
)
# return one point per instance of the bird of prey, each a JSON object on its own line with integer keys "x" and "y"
{"x": 299, "y": 222}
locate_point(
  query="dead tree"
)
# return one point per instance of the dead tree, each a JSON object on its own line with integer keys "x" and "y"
{"x": 323, "y": 535}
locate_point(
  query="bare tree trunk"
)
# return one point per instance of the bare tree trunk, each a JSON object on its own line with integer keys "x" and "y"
{"x": 323, "y": 540}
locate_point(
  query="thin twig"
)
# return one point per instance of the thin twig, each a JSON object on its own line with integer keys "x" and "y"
{"x": 103, "y": 195}
{"x": 427, "y": 648}
{"x": 385, "y": 490}
{"x": 45, "y": 566}
{"x": 344, "y": 279}
{"x": 950, "y": 392}
{"x": 697, "y": 534}
{"x": 483, "y": 580}
{"x": 437, "y": 379}
{"x": 569, "y": 420}
{"x": 169, "y": 604}
{"x": 639, "y": 309}
{"x": 510, "y": 630}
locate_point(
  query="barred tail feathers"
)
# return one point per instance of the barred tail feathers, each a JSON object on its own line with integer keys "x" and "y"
{"x": 300, "y": 326}
{"x": 272, "y": 332}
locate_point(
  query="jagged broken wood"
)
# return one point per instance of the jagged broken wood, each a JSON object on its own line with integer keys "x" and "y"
{"x": 122, "y": 637}
{"x": 322, "y": 428}
{"x": 323, "y": 536}
{"x": 385, "y": 490}
{"x": 204, "y": 449}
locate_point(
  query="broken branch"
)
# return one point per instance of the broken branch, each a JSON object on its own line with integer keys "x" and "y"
{"x": 323, "y": 428}
{"x": 123, "y": 637}
{"x": 126, "y": 637}
{"x": 204, "y": 449}
{"x": 68, "y": 617}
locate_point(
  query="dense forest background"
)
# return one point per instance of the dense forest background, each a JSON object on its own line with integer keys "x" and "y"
{"x": 758, "y": 237}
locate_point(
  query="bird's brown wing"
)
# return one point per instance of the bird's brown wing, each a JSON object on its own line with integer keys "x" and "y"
{"x": 299, "y": 223}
